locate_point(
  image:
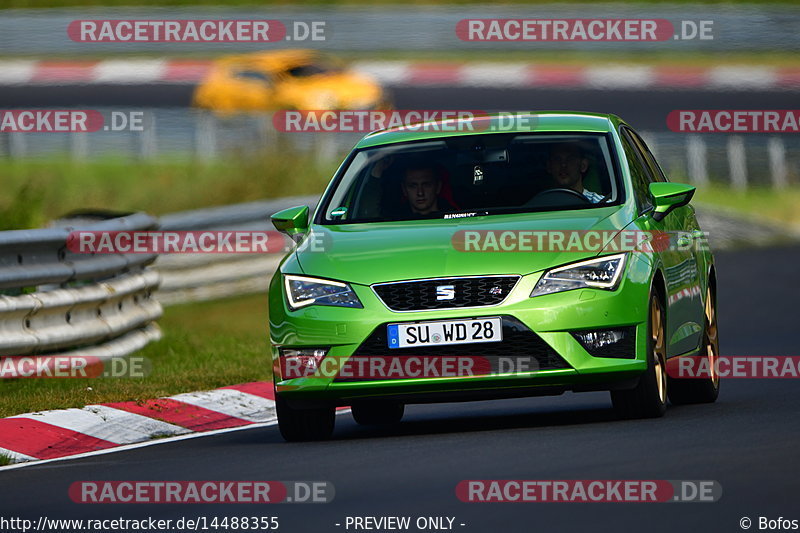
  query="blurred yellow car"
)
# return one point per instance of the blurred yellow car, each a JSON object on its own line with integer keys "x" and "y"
{"x": 286, "y": 79}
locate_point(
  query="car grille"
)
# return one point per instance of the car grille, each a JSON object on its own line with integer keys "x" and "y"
{"x": 421, "y": 295}
{"x": 521, "y": 345}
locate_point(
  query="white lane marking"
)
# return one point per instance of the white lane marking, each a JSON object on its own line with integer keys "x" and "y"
{"x": 107, "y": 423}
{"x": 232, "y": 403}
{"x": 619, "y": 76}
{"x": 743, "y": 77}
{"x": 17, "y": 71}
{"x": 496, "y": 75}
{"x": 385, "y": 71}
{"x": 128, "y": 71}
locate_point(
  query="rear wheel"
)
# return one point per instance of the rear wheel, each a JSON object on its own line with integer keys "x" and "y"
{"x": 370, "y": 413}
{"x": 701, "y": 390}
{"x": 649, "y": 398}
{"x": 304, "y": 424}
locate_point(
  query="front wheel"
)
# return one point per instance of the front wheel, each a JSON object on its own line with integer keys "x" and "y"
{"x": 304, "y": 424}
{"x": 649, "y": 398}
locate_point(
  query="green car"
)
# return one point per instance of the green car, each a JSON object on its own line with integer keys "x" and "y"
{"x": 492, "y": 257}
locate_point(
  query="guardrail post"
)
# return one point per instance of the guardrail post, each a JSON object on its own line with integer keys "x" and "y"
{"x": 777, "y": 162}
{"x": 79, "y": 145}
{"x": 206, "y": 136}
{"x": 17, "y": 144}
{"x": 266, "y": 130}
{"x": 325, "y": 147}
{"x": 696, "y": 154}
{"x": 148, "y": 138}
{"x": 737, "y": 162}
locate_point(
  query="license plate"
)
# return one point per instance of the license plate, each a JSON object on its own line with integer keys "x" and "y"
{"x": 442, "y": 332}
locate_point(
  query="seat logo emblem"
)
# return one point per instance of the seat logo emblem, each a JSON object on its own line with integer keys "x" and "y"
{"x": 445, "y": 292}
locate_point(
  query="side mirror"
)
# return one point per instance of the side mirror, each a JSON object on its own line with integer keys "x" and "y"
{"x": 669, "y": 196}
{"x": 293, "y": 221}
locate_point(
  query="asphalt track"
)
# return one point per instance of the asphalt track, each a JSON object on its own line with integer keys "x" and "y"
{"x": 643, "y": 108}
{"x": 747, "y": 441}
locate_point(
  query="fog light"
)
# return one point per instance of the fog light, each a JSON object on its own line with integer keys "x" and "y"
{"x": 300, "y": 362}
{"x": 618, "y": 342}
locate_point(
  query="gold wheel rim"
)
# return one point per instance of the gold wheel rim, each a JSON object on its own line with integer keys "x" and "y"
{"x": 659, "y": 353}
{"x": 712, "y": 341}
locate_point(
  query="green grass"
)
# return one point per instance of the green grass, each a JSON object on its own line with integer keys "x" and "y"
{"x": 782, "y": 206}
{"x": 38, "y": 190}
{"x": 205, "y": 346}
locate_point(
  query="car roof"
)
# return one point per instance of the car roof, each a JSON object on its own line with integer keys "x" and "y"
{"x": 273, "y": 60}
{"x": 541, "y": 122}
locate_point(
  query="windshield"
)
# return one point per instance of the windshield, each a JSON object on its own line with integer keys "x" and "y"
{"x": 464, "y": 176}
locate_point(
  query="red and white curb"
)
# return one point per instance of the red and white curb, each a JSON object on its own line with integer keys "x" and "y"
{"x": 421, "y": 74}
{"x": 68, "y": 432}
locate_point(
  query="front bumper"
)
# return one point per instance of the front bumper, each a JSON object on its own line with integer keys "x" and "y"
{"x": 552, "y": 318}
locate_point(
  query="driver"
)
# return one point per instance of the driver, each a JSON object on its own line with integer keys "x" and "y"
{"x": 566, "y": 166}
{"x": 421, "y": 186}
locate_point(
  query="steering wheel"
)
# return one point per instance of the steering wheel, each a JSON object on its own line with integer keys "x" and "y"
{"x": 537, "y": 200}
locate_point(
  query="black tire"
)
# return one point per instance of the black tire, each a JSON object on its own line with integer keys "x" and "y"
{"x": 701, "y": 390}
{"x": 649, "y": 398}
{"x": 372, "y": 413}
{"x": 304, "y": 424}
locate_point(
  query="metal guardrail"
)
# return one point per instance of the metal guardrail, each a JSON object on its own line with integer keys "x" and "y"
{"x": 56, "y": 302}
{"x": 192, "y": 277}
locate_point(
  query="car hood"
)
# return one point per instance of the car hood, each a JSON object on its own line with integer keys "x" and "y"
{"x": 377, "y": 252}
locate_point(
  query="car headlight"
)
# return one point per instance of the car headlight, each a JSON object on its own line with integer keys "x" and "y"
{"x": 302, "y": 291}
{"x": 601, "y": 273}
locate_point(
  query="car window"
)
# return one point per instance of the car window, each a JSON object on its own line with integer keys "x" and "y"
{"x": 304, "y": 71}
{"x": 650, "y": 159}
{"x": 641, "y": 175}
{"x": 474, "y": 175}
{"x": 249, "y": 74}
